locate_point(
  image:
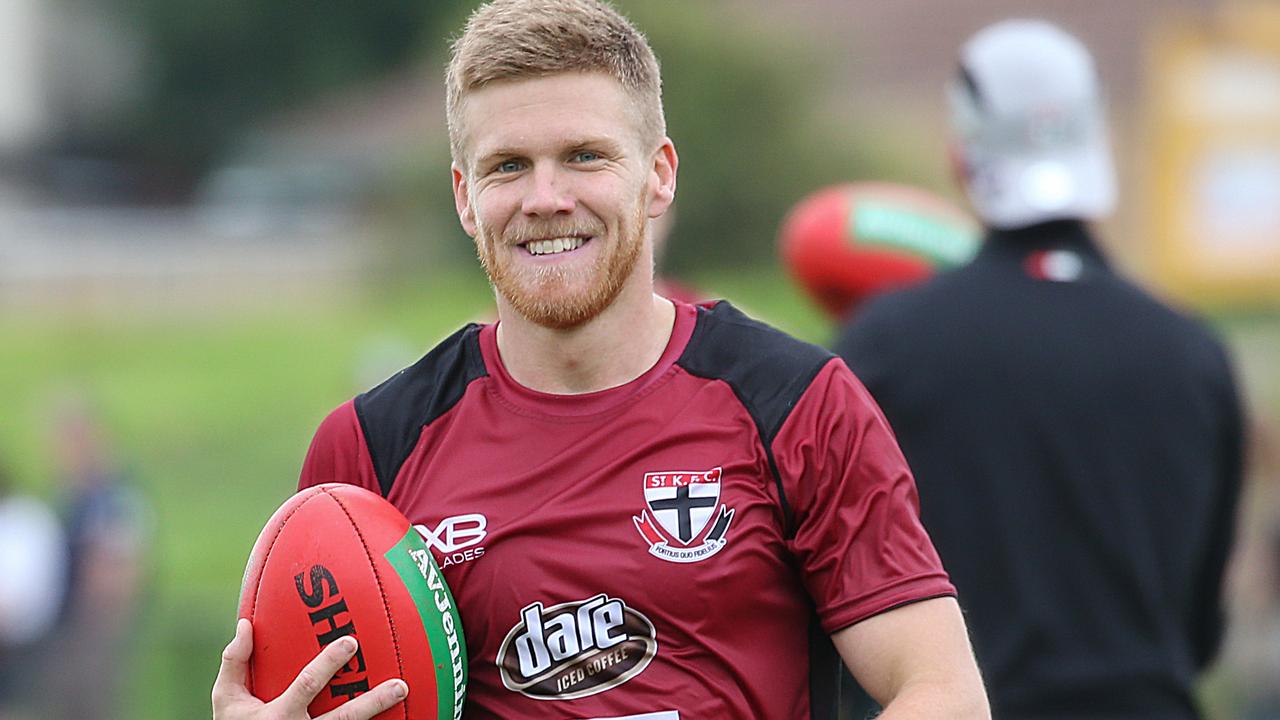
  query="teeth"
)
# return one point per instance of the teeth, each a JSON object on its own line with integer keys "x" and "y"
{"x": 553, "y": 246}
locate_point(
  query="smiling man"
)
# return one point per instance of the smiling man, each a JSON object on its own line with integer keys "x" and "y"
{"x": 653, "y": 500}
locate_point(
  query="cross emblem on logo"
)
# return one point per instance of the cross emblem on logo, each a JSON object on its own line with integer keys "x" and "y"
{"x": 684, "y": 505}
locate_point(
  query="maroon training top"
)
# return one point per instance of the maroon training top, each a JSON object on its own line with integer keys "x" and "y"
{"x": 657, "y": 549}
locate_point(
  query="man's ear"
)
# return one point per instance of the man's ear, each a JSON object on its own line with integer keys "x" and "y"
{"x": 662, "y": 178}
{"x": 462, "y": 200}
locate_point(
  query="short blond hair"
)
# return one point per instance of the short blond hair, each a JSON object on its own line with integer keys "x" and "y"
{"x": 518, "y": 39}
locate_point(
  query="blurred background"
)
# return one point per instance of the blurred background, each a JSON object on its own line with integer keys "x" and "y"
{"x": 219, "y": 220}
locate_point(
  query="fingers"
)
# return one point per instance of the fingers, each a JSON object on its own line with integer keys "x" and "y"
{"x": 377, "y": 700}
{"x": 230, "y": 683}
{"x": 319, "y": 671}
{"x": 235, "y": 664}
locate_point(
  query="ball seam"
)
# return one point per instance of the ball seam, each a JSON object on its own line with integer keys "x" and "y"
{"x": 266, "y": 555}
{"x": 382, "y": 592}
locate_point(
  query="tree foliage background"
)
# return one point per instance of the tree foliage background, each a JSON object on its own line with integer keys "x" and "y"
{"x": 746, "y": 105}
{"x": 217, "y": 65}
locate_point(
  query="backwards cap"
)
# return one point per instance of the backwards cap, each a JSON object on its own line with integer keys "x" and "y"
{"x": 1029, "y": 118}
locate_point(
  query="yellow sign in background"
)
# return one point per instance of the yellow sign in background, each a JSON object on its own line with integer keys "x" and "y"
{"x": 1213, "y": 165}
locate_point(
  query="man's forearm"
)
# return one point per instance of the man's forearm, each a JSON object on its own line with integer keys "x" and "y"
{"x": 949, "y": 700}
{"x": 916, "y": 661}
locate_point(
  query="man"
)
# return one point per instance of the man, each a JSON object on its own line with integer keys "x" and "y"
{"x": 1077, "y": 444}
{"x": 690, "y": 483}
{"x": 106, "y": 524}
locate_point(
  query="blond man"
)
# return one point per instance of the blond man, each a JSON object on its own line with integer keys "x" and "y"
{"x": 668, "y": 492}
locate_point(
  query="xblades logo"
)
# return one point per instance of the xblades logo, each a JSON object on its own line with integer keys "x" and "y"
{"x": 456, "y": 538}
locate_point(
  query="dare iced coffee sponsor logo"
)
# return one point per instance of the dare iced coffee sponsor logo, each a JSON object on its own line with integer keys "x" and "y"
{"x": 576, "y": 649}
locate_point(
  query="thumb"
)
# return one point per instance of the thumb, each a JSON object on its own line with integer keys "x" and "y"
{"x": 230, "y": 682}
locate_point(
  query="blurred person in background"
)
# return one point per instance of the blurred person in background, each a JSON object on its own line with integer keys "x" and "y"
{"x": 660, "y": 232}
{"x": 32, "y": 587}
{"x": 1077, "y": 444}
{"x": 1255, "y": 650}
{"x": 106, "y": 527}
{"x": 1251, "y": 651}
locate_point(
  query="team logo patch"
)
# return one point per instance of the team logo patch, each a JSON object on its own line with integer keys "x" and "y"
{"x": 685, "y": 521}
{"x": 575, "y": 649}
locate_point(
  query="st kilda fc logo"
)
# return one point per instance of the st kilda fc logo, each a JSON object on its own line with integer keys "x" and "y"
{"x": 685, "y": 521}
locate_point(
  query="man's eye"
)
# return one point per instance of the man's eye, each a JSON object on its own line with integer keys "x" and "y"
{"x": 508, "y": 166}
{"x": 586, "y": 156}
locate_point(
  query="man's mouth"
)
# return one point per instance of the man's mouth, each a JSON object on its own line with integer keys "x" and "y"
{"x": 554, "y": 245}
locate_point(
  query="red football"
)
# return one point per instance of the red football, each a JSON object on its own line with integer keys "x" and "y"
{"x": 339, "y": 560}
{"x": 845, "y": 243}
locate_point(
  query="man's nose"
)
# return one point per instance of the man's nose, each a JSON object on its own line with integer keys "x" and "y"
{"x": 548, "y": 194}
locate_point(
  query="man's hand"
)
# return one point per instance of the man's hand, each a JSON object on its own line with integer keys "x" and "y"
{"x": 232, "y": 700}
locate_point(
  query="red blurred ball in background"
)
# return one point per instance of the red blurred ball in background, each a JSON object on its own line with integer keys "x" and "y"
{"x": 845, "y": 243}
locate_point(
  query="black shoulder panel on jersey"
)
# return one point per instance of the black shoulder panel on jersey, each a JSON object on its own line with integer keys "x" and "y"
{"x": 393, "y": 414}
{"x": 767, "y": 369}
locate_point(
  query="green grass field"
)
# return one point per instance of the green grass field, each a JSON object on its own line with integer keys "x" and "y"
{"x": 213, "y": 412}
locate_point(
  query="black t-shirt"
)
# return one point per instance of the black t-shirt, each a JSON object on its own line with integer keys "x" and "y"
{"x": 1077, "y": 447}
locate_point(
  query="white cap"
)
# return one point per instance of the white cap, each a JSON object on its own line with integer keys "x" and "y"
{"x": 1028, "y": 116}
